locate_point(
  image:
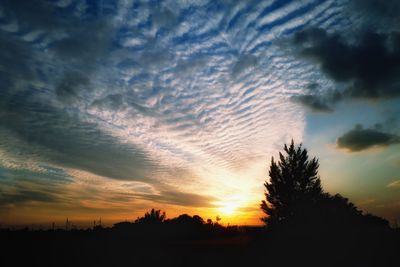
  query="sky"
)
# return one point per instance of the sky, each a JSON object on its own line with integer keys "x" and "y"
{"x": 111, "y": 108}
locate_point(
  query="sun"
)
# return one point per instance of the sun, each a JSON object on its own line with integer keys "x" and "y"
{"x": 228, "y": 208}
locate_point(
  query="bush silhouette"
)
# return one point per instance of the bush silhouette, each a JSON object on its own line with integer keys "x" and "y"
{"x": 187, "y": 220}
{"x": 152, "y": 217}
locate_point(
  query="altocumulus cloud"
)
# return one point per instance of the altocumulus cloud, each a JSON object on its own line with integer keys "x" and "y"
{"x": 137, "y": 91}
{"x": 359, "y": 139}
{"x": 48, "y": 58}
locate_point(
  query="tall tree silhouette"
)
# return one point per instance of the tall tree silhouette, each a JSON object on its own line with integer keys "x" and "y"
{"x": 293, "y": 187}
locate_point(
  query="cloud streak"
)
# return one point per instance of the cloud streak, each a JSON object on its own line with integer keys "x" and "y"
{"x": 394, "y": 184}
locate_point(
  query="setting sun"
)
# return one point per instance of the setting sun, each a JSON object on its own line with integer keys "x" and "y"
{"x": 228, "y": 208}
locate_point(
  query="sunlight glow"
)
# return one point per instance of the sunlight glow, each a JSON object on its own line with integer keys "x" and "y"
{"x": 228, "y": 208}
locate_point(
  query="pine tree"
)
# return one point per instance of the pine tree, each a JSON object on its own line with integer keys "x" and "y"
{"x": 293, "y": 187}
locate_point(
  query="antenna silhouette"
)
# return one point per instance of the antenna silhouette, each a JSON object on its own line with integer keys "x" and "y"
{"x": 67, "y": 224}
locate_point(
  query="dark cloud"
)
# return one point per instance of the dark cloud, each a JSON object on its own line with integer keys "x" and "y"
{"x": 19, "y": 186}
{"x": 111, "y": 102}
{"x": 36, "y": 14}
{"x": 360, "y": 139}
{"x": 155, "y": 58}
{"x": 387, "y": 10}
{"x": 66, "y": 140}
{"x": 364, "y": 60}
{"x": 166, "y": 195}
{"x": 28, "y": 112}
{"x": 70, "y": 86}
{"x": 164, "y": 16}
{"x": 244, "y": 62}
{"x": 46, "y": 176}
{"x": 370, "y": 66}
{"x": 313, "y": 102}
{"x": 21, "y": 196}
{"x": 180, "y": 199}
{"x": 84, "y": 49}
{"x": 120, "y": 101}
{"x": 15, "y": 58}
{"x": 76, "y": 44}
{"x": 16, "y": 64}
{"x": 316, "y": 101}
{"x": 86, "y": 43}
{"x": 191, "y": 66}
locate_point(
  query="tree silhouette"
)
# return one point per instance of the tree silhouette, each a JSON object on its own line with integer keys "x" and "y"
{"x": 294, "y": 186}
{"x": 152, "y": 217}
{"x": 294, "y": 198}
{"x": 185, "y": 219}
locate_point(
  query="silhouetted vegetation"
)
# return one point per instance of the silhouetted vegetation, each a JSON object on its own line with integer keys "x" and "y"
{"x": 305, "y": 226}
{"x": 152, "y": 217}
{"x": 295, "y": 199}
{"x": 293, "y": 188}
{"x": 315, "y": 227}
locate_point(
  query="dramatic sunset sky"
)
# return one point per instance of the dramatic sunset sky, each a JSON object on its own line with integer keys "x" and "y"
{"x": 111, "y": 108}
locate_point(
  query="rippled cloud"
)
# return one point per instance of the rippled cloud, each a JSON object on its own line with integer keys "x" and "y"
{"x": 175, "y": 95}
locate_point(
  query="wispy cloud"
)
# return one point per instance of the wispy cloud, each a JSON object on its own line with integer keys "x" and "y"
{"x": 394, "y": 184}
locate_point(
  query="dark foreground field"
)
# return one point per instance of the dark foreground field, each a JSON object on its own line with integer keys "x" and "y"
{"x": 206, "y": 245}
